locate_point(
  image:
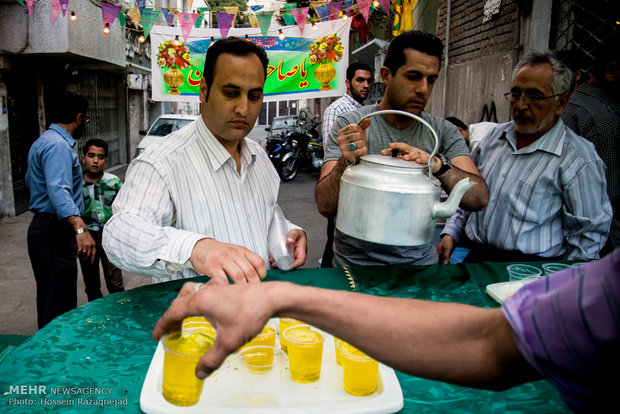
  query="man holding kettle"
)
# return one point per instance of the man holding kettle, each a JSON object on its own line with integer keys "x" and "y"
{"x": 409, "y": 72}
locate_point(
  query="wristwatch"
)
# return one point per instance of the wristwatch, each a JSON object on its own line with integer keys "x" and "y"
{"x": 445, "y": 165}
{"x": 81, "y": 230}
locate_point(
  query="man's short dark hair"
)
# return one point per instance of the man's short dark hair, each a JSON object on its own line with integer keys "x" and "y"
{"x": 95, "y": 142}
{"x": 454, "y": 120}
{"x": 354, "y": 67}
{"x": 67, "y": 106}
{"x": 234, "y": 46}
{"x": 411, "y": 39}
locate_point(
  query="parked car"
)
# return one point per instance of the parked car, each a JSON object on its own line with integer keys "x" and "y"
{"x": 162, "y": 126}
{"x": 281, "y": 124}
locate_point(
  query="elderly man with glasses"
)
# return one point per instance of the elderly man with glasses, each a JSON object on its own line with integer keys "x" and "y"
{"x": 547, "y": 188}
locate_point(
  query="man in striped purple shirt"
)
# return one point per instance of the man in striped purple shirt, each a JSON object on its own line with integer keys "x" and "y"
{"x": 547, "y": 189}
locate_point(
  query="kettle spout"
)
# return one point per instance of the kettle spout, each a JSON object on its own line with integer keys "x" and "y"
{"x": 448, "y": 207}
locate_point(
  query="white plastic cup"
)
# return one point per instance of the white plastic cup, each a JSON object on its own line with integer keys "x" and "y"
{"x": 279, "y": 249}
{"x": 554, "y": 267}
{"x": 522, "y": 273}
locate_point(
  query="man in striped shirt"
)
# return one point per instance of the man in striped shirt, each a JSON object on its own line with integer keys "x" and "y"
{"x": 201, "y": 202}
{"x": 547, "y": 188}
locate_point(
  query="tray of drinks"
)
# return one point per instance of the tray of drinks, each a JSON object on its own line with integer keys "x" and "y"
{"x": 234, "y": 389}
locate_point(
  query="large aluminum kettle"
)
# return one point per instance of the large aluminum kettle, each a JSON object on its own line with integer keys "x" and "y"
{"x": 388, "y": 200}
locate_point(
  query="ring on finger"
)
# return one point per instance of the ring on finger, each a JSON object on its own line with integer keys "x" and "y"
{"x": 352, "y": 146}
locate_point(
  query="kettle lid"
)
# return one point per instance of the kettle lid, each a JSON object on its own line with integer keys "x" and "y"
{"x": 390, "y": 161}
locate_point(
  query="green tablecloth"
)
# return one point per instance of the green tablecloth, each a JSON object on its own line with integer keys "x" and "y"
{"x": 105, "y": 347}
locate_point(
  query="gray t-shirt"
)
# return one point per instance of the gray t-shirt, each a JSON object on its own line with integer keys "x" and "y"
{"x": 349, "y": 250}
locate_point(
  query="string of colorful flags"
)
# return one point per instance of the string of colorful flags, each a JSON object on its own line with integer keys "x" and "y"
{"x": 146, "y": 17}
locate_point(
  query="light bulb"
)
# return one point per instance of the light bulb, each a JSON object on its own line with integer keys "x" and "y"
{"x": 376, "y": 4}
{"x": 141, "y": 39}
{"x": 314, "y": 27}
{"x": 106, "y": 29}
{"x": 281, "y": 34}
{"x": 212, "y": 41}
{"x": 344, "y": 16}
{"x": 72, "y": 16}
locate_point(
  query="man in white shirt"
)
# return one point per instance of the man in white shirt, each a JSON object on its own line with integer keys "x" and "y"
{"x": 201, "y": 201}
{"x": 359, "y": 79}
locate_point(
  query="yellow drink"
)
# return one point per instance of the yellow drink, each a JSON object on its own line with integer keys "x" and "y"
{"x": 258, "y": 359}
{"x": 198, "y": 323}
{"x": 182, "y": 353}
{"x": 267, "y": 337}
{"x": 286, "y": 323}
{"x": 360, "y": 371}
{"x": 305, "y": 354}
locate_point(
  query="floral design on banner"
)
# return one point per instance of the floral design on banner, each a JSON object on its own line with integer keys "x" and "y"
{"x": 173, "y": 54}
{"x": 300, "y": 15}
{"x": 326, "y": 49}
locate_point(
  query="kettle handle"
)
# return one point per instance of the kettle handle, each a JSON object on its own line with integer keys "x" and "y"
{"x": 417, "y": 118}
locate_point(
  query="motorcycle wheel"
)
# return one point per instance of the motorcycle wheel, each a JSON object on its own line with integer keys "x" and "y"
{"x": 289, "y": 167}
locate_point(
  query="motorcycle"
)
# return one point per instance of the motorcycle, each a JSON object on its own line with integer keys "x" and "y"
{"x": 298, "y": 148}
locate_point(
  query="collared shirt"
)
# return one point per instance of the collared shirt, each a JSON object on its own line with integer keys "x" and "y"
{"x": 548, "y": 198}
{"x": 54, "y": 175}
{"x": 184, "y": 189}
{"x": 566, "y": 327}
{"x": 98, "y": 198}
{"x": 595, "y": 115}
{"x": 343, "y": 104}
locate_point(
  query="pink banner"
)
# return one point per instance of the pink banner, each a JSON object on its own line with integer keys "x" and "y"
{"x": 385, "y": 4}
{"x": 224, "y": 21}
{"x": 334, "y": 9}
{"x": 29, "y": 3}
{"x": 63, "y": 6}
{"x": 300, "y": 15}
{"x": 187, "y": 21}
{"x": 364, "y": 8}
{"x": 55, "y": 10}
{"x": 109, "y": 11}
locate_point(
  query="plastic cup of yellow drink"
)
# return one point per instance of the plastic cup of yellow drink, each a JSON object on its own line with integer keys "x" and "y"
{"x": 286, "y": 323}
{"x": 258, "y": 359}
{"x": 267, "y": 337}
{"x": 199, "y": 323}
{"x": 182, "y": 351}
{"x": 258, "y": 380}
{"x": 338, "y": 351}
{"x": 360, "y": 371}
{"x": 305, "y": 353}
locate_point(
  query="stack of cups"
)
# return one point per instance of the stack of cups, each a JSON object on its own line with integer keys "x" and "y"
{"x": 278, "y": 248}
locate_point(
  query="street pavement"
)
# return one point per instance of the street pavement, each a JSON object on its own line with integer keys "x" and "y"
{"x": 17, "y": 285}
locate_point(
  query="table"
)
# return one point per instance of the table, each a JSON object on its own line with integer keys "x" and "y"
{"x": 100, "y": 352}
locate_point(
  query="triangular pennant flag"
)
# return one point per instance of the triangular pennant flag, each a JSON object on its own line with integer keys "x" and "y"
{"x": 232, "y": 10}
{"x": 187, "y": 20}
{"x": 122, "y": 17}
{"x": 29, "y": 3}
{"x": 323, "y": 12}
{"x": 134, "y": 15}
{"x": 168, "y": 15}
{"x": 364, "y": 8}
{"x": 20, "y": 2}
{"x": 63, "y": 6}
{"x": 385, "y": 5}
{"x": 55, "y": 10}
{"x": 253, "y": 20}
{"x": 190, "y": 3}
{"x": 289, "y": 20}
{"x": 224, "y": 21}
{"x": 264, "y": 21}
{"x": 334, "y": 8}
{"x": 256, "y": 8}
{"x": 149, "y": 17}
{"x": 300, "y": 15}
{"x": 109, "y": 11}
{"x": 201, "y": 16}
{"x": 140, "y": 4}
{"x": 348, "y": 5}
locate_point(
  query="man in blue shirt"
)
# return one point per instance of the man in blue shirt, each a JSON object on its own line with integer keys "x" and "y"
{"x": 57, "y": 232}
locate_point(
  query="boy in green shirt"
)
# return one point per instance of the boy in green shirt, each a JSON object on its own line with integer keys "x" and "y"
{"x": 100, "y": 189}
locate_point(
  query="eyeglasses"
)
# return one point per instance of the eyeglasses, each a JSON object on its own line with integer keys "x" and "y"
{"x": 528, "y": 98}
